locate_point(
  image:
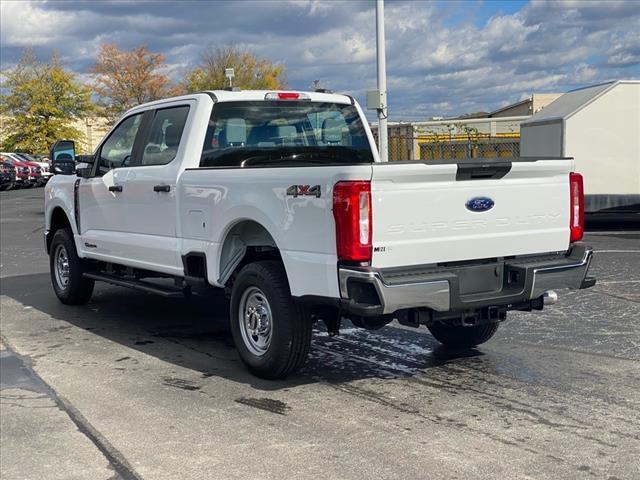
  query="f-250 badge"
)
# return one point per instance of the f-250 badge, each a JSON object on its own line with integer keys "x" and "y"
{"x": 304, "y": 191}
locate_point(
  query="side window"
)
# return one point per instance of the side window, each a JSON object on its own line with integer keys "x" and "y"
{"x": 116, "y": 150}
{"x": 164, "y": 136}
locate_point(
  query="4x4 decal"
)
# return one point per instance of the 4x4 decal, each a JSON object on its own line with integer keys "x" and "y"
{"x": 304, "y": 190}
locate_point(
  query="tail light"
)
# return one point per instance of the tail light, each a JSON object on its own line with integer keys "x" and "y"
{"x": 286, "y": 96}
{"x": 352, "y": 213}
{"x": 576, "y": 225}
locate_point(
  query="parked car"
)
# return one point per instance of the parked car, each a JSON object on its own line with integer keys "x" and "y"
{"x": 44, "y": 166}
{"x": 22, "y": 171}
{"x": 7, "y": 174}
{"x": 280, "y": 199}
{"x": 35, "y": 174}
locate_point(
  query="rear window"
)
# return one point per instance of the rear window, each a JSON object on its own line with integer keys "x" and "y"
{"x": 284, "y": 133}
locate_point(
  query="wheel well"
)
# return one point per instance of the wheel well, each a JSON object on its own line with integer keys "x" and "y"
{"x": 59, "y": 220}
{"x": 246, "y": 242}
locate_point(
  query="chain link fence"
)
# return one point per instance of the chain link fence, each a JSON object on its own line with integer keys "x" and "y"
{"x": 417, "y": 148}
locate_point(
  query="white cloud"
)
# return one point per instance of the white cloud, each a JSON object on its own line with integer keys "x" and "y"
{"x": 440, "y": 58}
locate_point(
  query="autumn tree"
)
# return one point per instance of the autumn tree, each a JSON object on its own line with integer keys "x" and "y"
{"x": 126, "y": 78}
{"x": 39, "y": 104}
{"x": 250, "y": 71}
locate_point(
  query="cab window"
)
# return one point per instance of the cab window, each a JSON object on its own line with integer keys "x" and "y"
{"x": 116, "y": 150}
{"x": 291, "y": 133}
{"x": 164, "y": 136}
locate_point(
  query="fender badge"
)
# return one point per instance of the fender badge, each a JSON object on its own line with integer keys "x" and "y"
{"x": 304, "y": 191}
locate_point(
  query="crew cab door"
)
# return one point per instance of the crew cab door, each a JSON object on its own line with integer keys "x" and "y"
{"x": 100, "y": 206}
{"x": 150, "y": 192}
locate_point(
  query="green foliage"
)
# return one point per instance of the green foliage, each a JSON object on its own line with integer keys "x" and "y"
{"x": 250, "y": 72}
{"x": 41, "y": 102}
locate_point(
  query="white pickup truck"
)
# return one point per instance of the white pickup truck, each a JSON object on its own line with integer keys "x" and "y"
{"x": 281, "y": 199}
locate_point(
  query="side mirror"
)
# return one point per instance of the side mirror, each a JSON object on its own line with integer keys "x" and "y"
{"x": 63, "y": 150}
{"x": 88, "y": 159}
{"x": 84, "y": 161}
{"x": 63, "y": 153}
{"x": 84, "y": 172}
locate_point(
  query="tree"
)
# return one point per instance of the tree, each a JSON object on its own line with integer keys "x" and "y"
{"x": 40, "y": 104}
{"x": 126, "y": 78}
{"x": 250, "y": 71}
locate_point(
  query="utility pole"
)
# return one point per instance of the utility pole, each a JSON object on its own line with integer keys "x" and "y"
{"x": 383, "y": 141}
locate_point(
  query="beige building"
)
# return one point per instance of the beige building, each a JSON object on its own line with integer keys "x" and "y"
{"x": 527, "y": 107}
{"x": 93, "y": 130}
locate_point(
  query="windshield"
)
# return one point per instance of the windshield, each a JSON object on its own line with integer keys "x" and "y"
{"x": 27, "y": 157}
{"x": 285, "y": 133}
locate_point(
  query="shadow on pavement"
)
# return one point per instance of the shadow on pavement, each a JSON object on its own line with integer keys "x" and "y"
{"x": 181, "y": 331}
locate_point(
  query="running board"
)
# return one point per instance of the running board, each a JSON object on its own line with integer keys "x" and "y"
{"x": 136, "y": 285}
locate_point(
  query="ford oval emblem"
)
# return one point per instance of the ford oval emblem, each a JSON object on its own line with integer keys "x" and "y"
{"x": 480, "y": 204}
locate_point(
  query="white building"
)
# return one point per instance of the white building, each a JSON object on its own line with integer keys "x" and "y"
{"x": 599, "y": 126}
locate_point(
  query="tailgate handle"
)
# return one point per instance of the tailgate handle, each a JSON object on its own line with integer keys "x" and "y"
{"x": 161, "y": 188}
{"x": 115, "y": 188}
{"x": 482, "y": 170}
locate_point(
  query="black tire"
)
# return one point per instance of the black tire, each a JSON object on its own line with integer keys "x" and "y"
{"x": 463, "y": 337}
{"x": 78, "y": 290}
{"x": 290, "y": 330}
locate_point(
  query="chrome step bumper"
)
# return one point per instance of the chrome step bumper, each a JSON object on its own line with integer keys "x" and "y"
{"x": 462, "y": 287}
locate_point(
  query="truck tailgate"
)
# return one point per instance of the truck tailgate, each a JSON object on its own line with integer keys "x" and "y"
{"x": 422, "y": 213}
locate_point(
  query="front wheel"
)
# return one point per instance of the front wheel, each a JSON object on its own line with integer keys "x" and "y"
{"x": 70, "y": 286}
{"x": 269, "y": 330}
{"x": 463, "y": 337}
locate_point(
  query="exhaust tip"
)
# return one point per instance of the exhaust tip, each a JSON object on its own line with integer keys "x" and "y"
{"x": 550, "y": 297}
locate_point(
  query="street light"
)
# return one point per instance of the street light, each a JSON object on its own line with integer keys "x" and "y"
{"x": 377, "y": 99}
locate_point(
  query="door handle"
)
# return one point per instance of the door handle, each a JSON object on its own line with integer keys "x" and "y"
{"x": 115, "y": 188}
{"x": 161, "y": 188}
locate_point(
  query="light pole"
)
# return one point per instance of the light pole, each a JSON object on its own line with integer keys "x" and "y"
{"x": 383, "y": 142}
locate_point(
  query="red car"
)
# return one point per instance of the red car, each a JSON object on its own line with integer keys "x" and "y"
{"x": 35, "y": 174}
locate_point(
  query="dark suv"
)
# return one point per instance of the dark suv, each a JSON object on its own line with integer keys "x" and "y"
{"x": 7, "y": 174}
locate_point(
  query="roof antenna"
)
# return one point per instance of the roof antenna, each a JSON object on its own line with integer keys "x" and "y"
{"x": 320, "y": 89}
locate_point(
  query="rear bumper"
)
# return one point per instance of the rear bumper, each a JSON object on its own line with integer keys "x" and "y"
{"x": 371, "y": 292}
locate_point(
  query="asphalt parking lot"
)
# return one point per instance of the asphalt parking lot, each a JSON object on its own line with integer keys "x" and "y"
{"x": 133, "y": 386}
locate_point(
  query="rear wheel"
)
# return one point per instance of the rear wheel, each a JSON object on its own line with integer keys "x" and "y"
{"x": 269, "y": 330}
{"x": 463, "y": 337}
{"x": 66, "y": 269}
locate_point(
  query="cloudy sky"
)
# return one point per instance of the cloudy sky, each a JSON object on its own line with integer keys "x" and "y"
{"x": 443, "y": 57}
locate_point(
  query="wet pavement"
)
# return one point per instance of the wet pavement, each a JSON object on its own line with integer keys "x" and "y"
{"x": 145, "y": 387}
